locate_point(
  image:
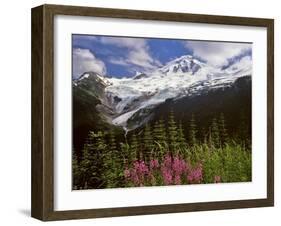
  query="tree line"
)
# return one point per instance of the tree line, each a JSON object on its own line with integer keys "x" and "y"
{"x": 104, "y": 159}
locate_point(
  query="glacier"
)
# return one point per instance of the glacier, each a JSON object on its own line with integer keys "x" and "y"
{"x": 183, "y": 76}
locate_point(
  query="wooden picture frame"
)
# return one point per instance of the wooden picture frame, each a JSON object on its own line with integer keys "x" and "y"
{"x": 42, "y": 203}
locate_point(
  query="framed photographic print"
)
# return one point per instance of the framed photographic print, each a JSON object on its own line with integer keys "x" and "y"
{"x": 141, "y": 112}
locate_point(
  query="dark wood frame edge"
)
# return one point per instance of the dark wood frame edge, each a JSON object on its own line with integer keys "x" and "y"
{"x": 42, "y": 197}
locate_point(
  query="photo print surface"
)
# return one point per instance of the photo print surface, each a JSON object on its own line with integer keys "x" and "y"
{"x": 159, "y": 112}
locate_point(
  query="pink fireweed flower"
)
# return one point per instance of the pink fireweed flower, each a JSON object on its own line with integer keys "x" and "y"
{"x": 167, "y": 161}
{"x": 173, "y": 170}
{"x": 177, "y": 180}
{"x": 185, "y": 166}
{"x": 127, "y": 173}
{"x": 179, "y": 166}
{"x": 136, "y": 164}
{"x": 134, "y": 177}
{"x": 142, "y": 168}
{"x": 176, "y": 165}
{"x": 195, "y": 175}
{"x": 167, "y": 176}
{"x": 153, "y": 164}
{"x": 217, "y": 179}
{"x": 166, "y": 170}
{"x": 138, "y": 172}
{"x": 152, "y": 178}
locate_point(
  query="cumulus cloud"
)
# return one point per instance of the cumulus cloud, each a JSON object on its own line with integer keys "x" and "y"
{"x": 138, "y": 53}
{"x": 124, "y": 42}
{"x": 244, "y": 63}
{"x": 118, "y": 60}
{"x": 216, "y": 53}
{"x": 84, "y": 60}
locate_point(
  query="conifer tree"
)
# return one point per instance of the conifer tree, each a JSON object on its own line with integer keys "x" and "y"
{"x": 100, "y": 144}
{"x": 223, "y": 130}
{"x": 159, "y": 132}
{"x": 102, "y": 156}
{"x": 210, "y": 138}
{"x": 126, "y": 154}
{"x": 181, "y": 138}
{"x": 215, "y": 133}
{"x": 115, "y": 155}
{"x": 112, "y": 162}
{"x": 134, "y": 147}
{"x": 112, "y": 141}
{"x": 86, "y": 166}
{"x": 76, "y": 171}
{"x": 173, "y": 133}
{"x": 192, "y": 131}
{"x": 147, "y": 142}
{"x": 244, "y": 132}
{"x": 204, "y": 135}
{"x": 92, "y": 162}
{"x": 160, "y": 138}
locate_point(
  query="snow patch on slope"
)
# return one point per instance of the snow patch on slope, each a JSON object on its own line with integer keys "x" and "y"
{"x": 184, "y": 76}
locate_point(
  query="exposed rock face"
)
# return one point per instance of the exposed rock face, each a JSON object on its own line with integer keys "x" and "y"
{"x": 130, "y": 102}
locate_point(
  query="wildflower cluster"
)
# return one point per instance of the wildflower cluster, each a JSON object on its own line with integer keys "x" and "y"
{"x": 171, "y": 171}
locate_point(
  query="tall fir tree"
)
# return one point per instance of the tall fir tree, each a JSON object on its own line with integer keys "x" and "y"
{"x": 204, "y": 135}
{"x": 173, "y": 133}
{"x": 76, "y": 171}
{"x": 159, "y": 132}
{"x": 148, "y": 145}
{"x": 215, "y": 133}
{"x": 112, "y": 162}
{"x": 243, "y": 132}
{"x": 116, "y": 158}
{"x": 223, "y": 130}
{"x": 181, "y": 139}
{"x": 160, "y": 138}
{"x": 126, "y": 154}
{"x": 102, "y": 156}
{"x": 192, "y": 131}
{"x": 112, "y": 141}
{"x": 210, "y": 138}
{"x": 92, "y": 163}
{"x": 134, "y": 148}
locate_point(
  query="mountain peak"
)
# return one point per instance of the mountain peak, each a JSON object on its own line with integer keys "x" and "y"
{"x": 129, "y": 102}
{"x": 90, "y": 75}
{"x": 183, "y": 64}
{"x": 183, "y": 57}
{"x": 139, "y": 75}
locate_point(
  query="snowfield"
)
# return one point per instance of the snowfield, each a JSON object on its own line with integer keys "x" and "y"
{"x": 180, "y": 77}
{"x": 184, "y": 76}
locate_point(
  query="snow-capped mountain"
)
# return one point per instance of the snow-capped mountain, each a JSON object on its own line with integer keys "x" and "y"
{"x": 124, "y": 99}
{"x": 94, "y": 76}
{"x": 183, "y": 64}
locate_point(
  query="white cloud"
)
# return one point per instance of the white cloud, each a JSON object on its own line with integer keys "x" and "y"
{"x": 141, "y": 58}
{"x": 84, "y": 60}
{"x": 216, "y": 53}
{"x": 138, "y": 52}
{"x": 135, "y": 43}
{"x": 244, "y": 63}
{"x": 118, "y": 61}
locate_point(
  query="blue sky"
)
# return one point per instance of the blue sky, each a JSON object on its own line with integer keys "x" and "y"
{"x": 122, "y": 56}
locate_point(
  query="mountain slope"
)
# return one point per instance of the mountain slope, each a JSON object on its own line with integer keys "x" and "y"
{"x": 131, "y": 102}
{"x": 184, "y": 76}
